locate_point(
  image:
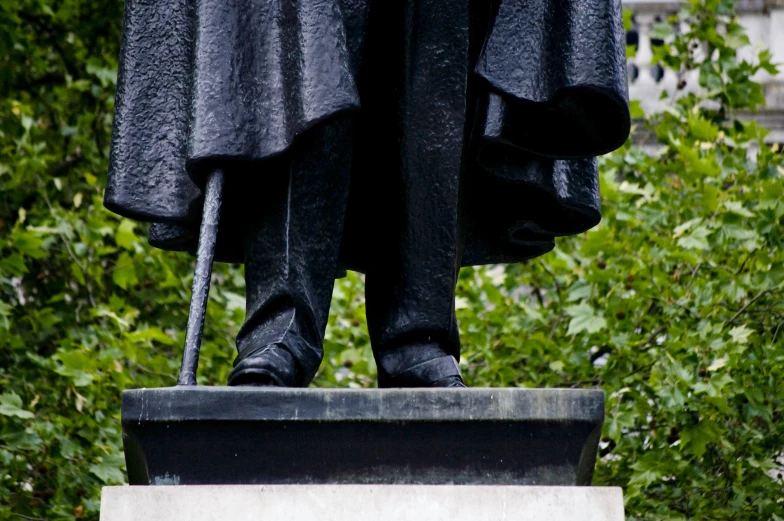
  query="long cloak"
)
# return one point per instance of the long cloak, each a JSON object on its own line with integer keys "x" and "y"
{"x": 208, "y": 82}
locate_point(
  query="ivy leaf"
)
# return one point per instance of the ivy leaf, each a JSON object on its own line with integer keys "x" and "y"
{"x": 11, "y": 405}
{"x": 125, "y": 237}
{"x": 579, "y": 292}
{"x": 683, "y": 228}
{"x": 152, "y": 333}
{"x": 699, "y": 436}
{"x": 661, "y": 31}
{"x": 636, "y": 110}
{"x": 109, "y": 469}
{"x": 13, "y": 265}
{"x": 234, "y": 301}
{"x": 696, "y": 240}
{"x": 28, "y": 244}
{"x": 737, "y": 208}
{"x": 644, "y": 476}
{"x": 584, "y": 318}
{"x": 741, "y": 334}
{"x": 717, "y": 364}
{"x": 124, "y": 274}
{"x": 618, "y": 423}
{"x": 105, "y": 75}
{"x": 703, "y": 129}
{"x": 5, "y": 314}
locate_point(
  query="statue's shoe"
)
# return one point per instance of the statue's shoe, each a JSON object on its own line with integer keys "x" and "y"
{"x": 437, "y": 372}
{"x": 265, "y": 366}
{"x": 450, "y": 381}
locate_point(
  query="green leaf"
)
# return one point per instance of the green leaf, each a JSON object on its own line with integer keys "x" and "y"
{"x": 644, "y": 477}
{"x": 699, "y": 436}
{"x": 682, "y": 228}
{"x": 661, "y": 31}
{"x": 737, "y": 207}
{"x": 579, "y": 292}
{"x": 741, "y": 334}
{"x": 125, "y": 237}
{"x": 124, "y": 274}
{"x": 717, "y": 364}
{"x": 584, "y": 319}
{"x": 557, "y": 366}
{"x": 28, "y": 244}
{"x": 234, "y": 301}
{"x": 702, "y": 129}
{"x": 11, "y": 405}
{"x": 636, "y": 110}
{"x": 696, "y": 240}
{"x": 77, "y": 365}
{"x": 6, "y": 311}
{"x": 13, "y": 265}
{"x": 110, "y": 469}
{"x": 152, "y": 333}
{"x": 105, "y": 75}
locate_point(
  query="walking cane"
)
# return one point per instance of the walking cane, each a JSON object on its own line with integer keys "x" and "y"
{"x": 208, "y": 234}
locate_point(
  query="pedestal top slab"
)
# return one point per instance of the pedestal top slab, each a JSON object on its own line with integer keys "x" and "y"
{"x": 218, "y": 435}
{"x": 276, "y": 404}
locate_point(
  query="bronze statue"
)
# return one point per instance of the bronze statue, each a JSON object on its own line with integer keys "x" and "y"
{"x": 400, "y": 138}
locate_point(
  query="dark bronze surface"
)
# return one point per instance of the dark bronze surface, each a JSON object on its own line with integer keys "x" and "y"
{"x": 404, "y": 139}
{"x": 214, "y": 435}
{"x": 208, "y": 233}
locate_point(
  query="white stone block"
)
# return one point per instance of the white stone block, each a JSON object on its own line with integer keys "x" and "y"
{"x": 361, "y": 503}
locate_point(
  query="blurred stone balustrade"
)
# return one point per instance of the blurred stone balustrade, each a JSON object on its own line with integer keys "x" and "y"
{"x": 764, "y": 23}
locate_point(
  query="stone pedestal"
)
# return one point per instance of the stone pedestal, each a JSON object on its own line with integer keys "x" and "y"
{"x": 361, "y": 503}
{"x": 253, "y": 436}
{"x": 239, "y": 454}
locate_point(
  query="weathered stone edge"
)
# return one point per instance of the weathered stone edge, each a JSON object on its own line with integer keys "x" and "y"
{"x": 177, "y": 404}
{"x": 361, "y": 502}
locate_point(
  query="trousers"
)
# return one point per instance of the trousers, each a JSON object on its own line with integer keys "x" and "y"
{"x": 415, "y": 240}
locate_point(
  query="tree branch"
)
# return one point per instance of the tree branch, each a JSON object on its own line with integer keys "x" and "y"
{"x": 750, "y": 302}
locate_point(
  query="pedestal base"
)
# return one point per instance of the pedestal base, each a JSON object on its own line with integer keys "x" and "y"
{"x": 361, "y": 503}
{"x": 258, "y": 436}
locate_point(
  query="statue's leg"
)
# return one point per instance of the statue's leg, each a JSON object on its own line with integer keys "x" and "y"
{"x": 291, "y": 256}
{"x": 412, "y": 277}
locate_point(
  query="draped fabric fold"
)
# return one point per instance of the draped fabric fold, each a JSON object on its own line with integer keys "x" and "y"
{"x": 555, "y": 97}
{"x": 264, "y": 72}
{"x": 559, "y": 67}
{"x": 209, "y": 80}
{"x": 204, "y": 81}
{"x": 148, "y": 179}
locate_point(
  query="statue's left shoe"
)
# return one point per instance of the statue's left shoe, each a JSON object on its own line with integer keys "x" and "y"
{"x": 409, "y": 367}
{"x": 267, "y": 366}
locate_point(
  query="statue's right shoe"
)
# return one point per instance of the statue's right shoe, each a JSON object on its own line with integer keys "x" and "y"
{"x": 439, "y": 372}
{"x": 266, "y": 366}
{"x": 418, "y": 366}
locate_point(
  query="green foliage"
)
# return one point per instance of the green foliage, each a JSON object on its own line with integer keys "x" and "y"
{"x": 673, "y": 304}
